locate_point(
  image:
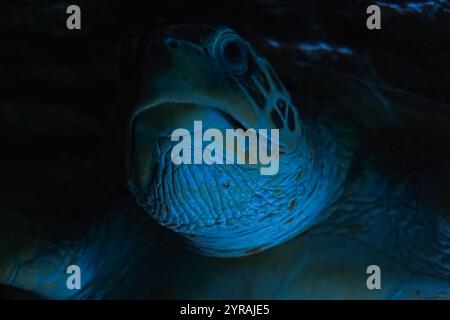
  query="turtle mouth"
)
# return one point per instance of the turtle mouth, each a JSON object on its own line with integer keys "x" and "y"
{"x": 151, "y": 128}
{"x": 161, "y": 119}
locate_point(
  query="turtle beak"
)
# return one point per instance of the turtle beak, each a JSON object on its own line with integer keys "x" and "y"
{"x": 150, "y": 139}
{"x": 141, "y": 163}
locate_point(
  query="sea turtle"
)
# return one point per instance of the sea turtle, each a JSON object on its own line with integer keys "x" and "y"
{"x": 354, "y": 189}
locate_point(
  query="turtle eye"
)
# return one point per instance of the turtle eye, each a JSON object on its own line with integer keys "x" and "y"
{"x": 233, "y": 51}
{"x": 231, "y": 54}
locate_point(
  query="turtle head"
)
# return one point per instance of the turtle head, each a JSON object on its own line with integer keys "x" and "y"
{"x": 192, "y": 73}
{"x": 189, "y": 68}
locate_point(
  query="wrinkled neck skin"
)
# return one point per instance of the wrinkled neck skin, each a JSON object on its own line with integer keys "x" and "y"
{"x": 232, "y": 210}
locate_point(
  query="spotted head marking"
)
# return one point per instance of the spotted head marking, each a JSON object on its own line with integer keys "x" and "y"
{"x": 258, "y": 82}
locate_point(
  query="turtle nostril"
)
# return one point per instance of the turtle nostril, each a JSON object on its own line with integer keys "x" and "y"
{"x": 173, "y": 44}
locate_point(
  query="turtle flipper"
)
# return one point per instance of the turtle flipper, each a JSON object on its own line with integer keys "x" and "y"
{"x": 23, "y": 250}
{"x": 32, "y": 259}
{"x": 112, "y": 254}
